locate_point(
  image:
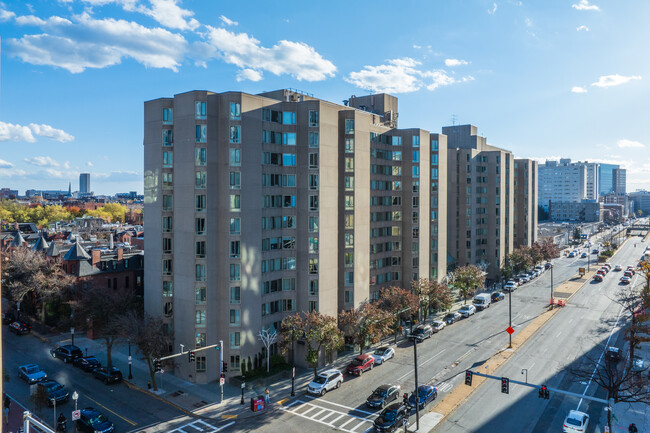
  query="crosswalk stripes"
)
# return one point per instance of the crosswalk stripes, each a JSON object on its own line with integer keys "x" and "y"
{"x": 333, "y": 417}
{"x": 445, "y": 387}
{"x": 200, "y": 426}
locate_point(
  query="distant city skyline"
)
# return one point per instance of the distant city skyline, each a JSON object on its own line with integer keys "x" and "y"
{"x": 545, "y": 80}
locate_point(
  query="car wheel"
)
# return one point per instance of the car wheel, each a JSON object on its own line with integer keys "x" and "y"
{"x": 360, "y": 372}
{"x": 323, "y": 391}
{"x": 435, "y": 395}
{"x": 338, "y": 384}
{"x": 65, "y": 360}
{"x": 105, "y": 381}
{"x": 372, "y": 365}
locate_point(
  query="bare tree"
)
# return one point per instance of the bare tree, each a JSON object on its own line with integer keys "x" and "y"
{"x": 400, "y": 304}
{"x": 268, "y": 337}
{"x": 632, "y": 300}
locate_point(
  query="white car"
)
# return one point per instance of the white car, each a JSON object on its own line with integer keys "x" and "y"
{"x": 325, "y": 381}
{"x": 467, "y": 310}
{"x": 438, "y": 325}
{"x": 510, "y": 286}
{"x": 576, "y": 422}
{"x": 383, "y": 354}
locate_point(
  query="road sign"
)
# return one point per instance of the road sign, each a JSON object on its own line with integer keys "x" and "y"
{"x": 510, "y": 330}
{"x": 222, "y": 380}
{"x": 581, "y": 271}
{"x": 76, "y": 414}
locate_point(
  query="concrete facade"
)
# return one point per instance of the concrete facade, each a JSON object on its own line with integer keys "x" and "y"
{"x": 585, "y": 211}
{"x": 561, "y": 181}
{"x": 525, "y": 202}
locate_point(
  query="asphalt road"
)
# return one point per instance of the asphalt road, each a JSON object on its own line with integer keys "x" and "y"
{"x": 128, "y": 409}
{"x": 591, "y": 321}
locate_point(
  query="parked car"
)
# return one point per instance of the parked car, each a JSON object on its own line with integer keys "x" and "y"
{"x": 383, "y": 354}
{"x": 539, "y": 268}
{"x": 467, "y": 310}
{"x": 360, "y": 364}
{"x": 598, "y": 277}
{"x": 605, "y": 269}
{"x": 20, "y": 328}
{"x": 482, "y": 301}
{"x": 67, "y": 353}
{"x": 392, "y": 418}
{"x": 548, "y": 265}
{"x": 8, "y": 318}
{"x": 426, "y": 394}
{"x": 383, "y": 395}
{"x": 452, "y": 317}
{"x": 608, "y": 266}
{"x": 422, "y": 332}
{"x": 438, "y": 325}
{"x": 510, "y": 286}
{"x": 93, "y": 421}
{"x": 639, "y": 364}
{"x": 583, "y": 255}
{"x": 613, "y": 354}
{"x": 31, "y": 373}
{"x": 55, "y": 392}
{"x": 497, "y": 296}
{"x": 625, "y": 280}
{"x": 325, "y": 381}
{"x": 575, "y": 422}
{"x": 108, "y": 375}
{"x": 523, "y": 278}
{"x": 87, "y": 363}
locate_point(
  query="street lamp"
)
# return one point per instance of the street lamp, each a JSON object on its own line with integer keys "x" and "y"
{"x": 243, "y": 386}
{"x": 525, "y": 370}
{"x": 75, "y": 397}
{"x": 72, "y": 334}
{"x": 130, "y": 374}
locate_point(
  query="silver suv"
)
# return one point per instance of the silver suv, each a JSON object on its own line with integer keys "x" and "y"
{"x": 324, "y": 382}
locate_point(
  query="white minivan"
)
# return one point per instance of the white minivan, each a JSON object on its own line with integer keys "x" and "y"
{"x": 482, "y": 301}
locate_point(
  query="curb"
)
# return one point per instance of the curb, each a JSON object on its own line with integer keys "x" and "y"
{"x": 162, "y": 399}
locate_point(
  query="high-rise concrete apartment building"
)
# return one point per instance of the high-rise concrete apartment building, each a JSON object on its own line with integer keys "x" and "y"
{"x": 592, "y": 170}
{"x": 525, "y": 202}
{"x": 259, "y": 206}
{"x": 84, "y": 182}
{"x": 620, "y": 180}
{"x": 480, "y": 205}
{"x": 561, "y": 182}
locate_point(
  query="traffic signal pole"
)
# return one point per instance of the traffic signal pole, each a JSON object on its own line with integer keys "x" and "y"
{"x": 221, "y": 369}
{"x": 417, "y": 394}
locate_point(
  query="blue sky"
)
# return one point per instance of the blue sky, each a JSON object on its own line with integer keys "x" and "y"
{"x": 545, "y": 79}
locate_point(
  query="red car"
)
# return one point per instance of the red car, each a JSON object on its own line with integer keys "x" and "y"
{"x": 360, "y": 364}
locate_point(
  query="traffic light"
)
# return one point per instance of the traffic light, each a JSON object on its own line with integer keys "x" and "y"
{"x": 406, "y": 398}
{"x": 505, "y": 385}
{"x": 157, "y": 365}
{"x": 468, "y": 377}
{"x": 543, "y": 392}
{"x": 190, "y": 356}
{"x": 225, "y": 367}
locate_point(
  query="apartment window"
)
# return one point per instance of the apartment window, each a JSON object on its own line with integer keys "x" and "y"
{"x": 347, "y": 297}
{"x": 349, "y": 240}
{"x": 416, "y": 171}
{"x": 289, "y": 180}
{"x": 289, "y": 159}
{"x": 235, "y": 226}
{"x": 349, "y": 145}
{"x": 349, "y": 221}
{"x": 289, "y": 138}
{"x": 349, "y": 164}
{"x": 201, "y": 179}
{"x": 235, "y": 157}
{"x": 313, "y": 266}
{"x": 201, "y": 133}
{"x": 168, "y": 137}
{"x": 313, "y": 245}
{"x": 313, "y": 118}
{"x": 199, "y": 226}
{"x": 235, "y": 295}
{"x": 313, "y": 202}
{"x": 199, "y": 295}
{"x": 167, "y": 180}
{"x": 434, "y": 174}
{"x": 167, "y": 245}
{"x": 168, "y": 309}
{"x": 167, "y": 224}
{"x": 313, "y": 181}
{"x": 349, "y": 126}
{"x": 167, "y": 289}
{"x": 235, "y": 111}
{"x": 416, "y": 141}
{"x": 235, "y": 202}
{"x": 234, "y": 340}
{"x": 199, "y": 272}
{"x": 235, "y": 269}
{"x": 199, "y": 249}
{"x": 200, "y": 156}
{"x": 288, "y": 118}
{"x": 434, "y": 159}
{"x": 313, "y": 139}
{"x": 235, "y": 249}
{"x": 397, "y": 156}
{"x": 416, "y": 185}
{"x": 349, "y": 202}
{"x": 234, "y": 362}
{"x": 349, "y": 183}
{"x": 199, "y": 318}
{"x": 416, "y": 156}
{"x": 396, "y": 141}
{"x": 167, "y": 267}
{"x": 200, "y": 340}
{"x": 168, "y": 116}
{"x": 168, "y": 202}
{"x": 313, "y": 160}
{"x": 313, "y": 287}
{"x": 313, "y": 306}
{"x": 235, "y": 133}
{"x": 200, "y": 110}
{"x": 234, "y": 317}
{"x": 434, "y": 144}
{"x": 313, "y": 224}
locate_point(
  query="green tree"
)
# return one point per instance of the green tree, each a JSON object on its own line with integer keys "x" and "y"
{"x": 322, "y": 334}
{"x": 366, "y": 324}
{"x": 292, "y": 329}
{"x": 467, "y": 278}
{"x": 440, "y": 296}
{"x": 398, "y": 303}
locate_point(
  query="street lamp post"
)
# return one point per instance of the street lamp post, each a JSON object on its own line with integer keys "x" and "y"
{"x": 72, "y": 334}
{"x": 525, "y": 370}
{"x": 130, "y": 373}
{"x": 293, "y": 381}
{"x": 54, "y": 406}
{"x": 415, "y": 364}
{"x": 243, "y": 387}
{"x": 75, "y": 397}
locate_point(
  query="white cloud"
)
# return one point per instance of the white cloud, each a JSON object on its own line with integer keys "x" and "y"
{"x": 169, "y": 14}
{"x": 249, "y": 74}
{"x": 5, "y": 164}
{"x": 227, "y": 21}
{"x": 401, "y": 76}
{"x": 29, "y": 20}
{"x": 614, "y": 80}
{"x": 286, "y": 57}
{"x": 455, "y": 62}
{"x": 11, "y": 132}
{"x": 417, "y": 47}
{"x": 5, "y": 15}
{"x": 66, "y": 165}
{"x": 89, "y": 164}
{"x": 578, "y": 89}
{"x": 528, "y": 22}
{"x": 584, "y": 5}
{"x": 493, "y": 10}
{"x": 42, "y": 161}
{"x": 626, "y": 144}
{"x": 87, "y": 42}
{"x": 583, "y": 29}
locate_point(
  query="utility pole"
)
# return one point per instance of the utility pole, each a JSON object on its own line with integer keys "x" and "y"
{"x": 551, "y": 283}
{"x": 510, "y": 316}
{"x": 417, "y": 403}
{"x": 221, "y": 369}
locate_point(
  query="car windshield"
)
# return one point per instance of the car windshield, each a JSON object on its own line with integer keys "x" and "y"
{"x": 573, "y": 421}
{"x": 423, "y": 393}
{"x": 418, "y": 331}
{"x": 53, "y": 386}
{"x": 33, "y": 369}
{"x": 356, "y": 361}
{"x": 98, "y": 419}
{"x": 320, "y": 379}
{"x": 449, "y": 316}
{"x": 389, "y": 415}
{"x": 380, "y": 351}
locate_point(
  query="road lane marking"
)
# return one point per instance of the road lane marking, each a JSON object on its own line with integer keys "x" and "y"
{"x": 558, "y": 334}
{"x": 332, "y": 412}
{"x": 399, "y": 379}
{"x": 353, "y": 409}
{"x": 114, "y": 413}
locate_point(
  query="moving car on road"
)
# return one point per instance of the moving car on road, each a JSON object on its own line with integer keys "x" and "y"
{"x": 108, "y": 375}
{"x": 613, "y": 354}
{"x": 426, "y": 394}
{"x": 625, "y": 280}
{"x": 422, "y": 332}
{"x": 618, "y": 268}
{"x": 467, "y": 310}
{"x": 67, "y": 353}
{"x": 575, "y": 422}
{"x": 360, "y": 364}
{"x": 383, "y": 395}
{"x": 93, "y": 421}
{"x": 20, "y": 328}
{"x": 55, "y": 391}
{"x": 583, "y": 255}
{"x": 31, "y": 373}
{"x": 392, "y": 418}
{"x": 452, "y": 317}
{"x": 87, "y": 363}
{"x": 325, "y": 381}
{"x": 383, "y": 354}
